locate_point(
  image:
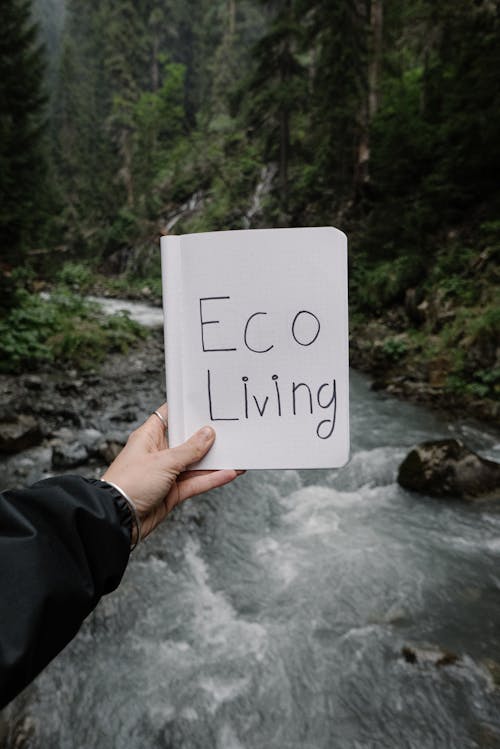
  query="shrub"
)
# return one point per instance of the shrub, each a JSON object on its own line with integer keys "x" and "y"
{"x": 395, "y": 348}
{"x": 63, "y": 329}
{"x": 75, "y": 276}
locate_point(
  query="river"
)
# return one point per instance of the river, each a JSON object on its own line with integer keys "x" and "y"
{"x": 272, "y": 614}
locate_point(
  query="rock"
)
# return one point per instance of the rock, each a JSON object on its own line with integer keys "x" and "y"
{"x": 413, "y": 306}
{"x": 438, "y": 370}
{"x": 493, "y": 668}
{"x": 17, "y": 733}
{"x": 91, "y": 380}
{"x": 67, "y": 414}
{"x": 23, "y": 432}
{"x": 33, "y": 382}
{"x": 69, "y": 387}
{"x": 24, "y": 733}
{"x": 125, "y": 414}
{"x": 446, "y": 468}
{"x": 429, "y": 656}
{"x": 380, "y": 383}
{"x": 62, "y": 435}
{"x": 91, "y": 439}
{"x": 109, "y": 450}
{"x": 69, "y": 456}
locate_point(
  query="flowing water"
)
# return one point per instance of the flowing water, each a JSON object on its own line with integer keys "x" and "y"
{"x": 141, "y": 312}
{"x": 271, "y": 614}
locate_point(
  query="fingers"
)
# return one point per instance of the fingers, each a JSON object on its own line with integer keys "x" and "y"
{"x": 163, "y": 410}
{"x": 196, "y": 473}
{"x": 201, "y": 481}
{"x": 191, "y": 451}
{"x": 157, "y": 426}
{"x": 151, "y": 435}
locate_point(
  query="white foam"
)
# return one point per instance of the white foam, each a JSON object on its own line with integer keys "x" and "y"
{"x": 221, "y": 690}
{"x": 144, "y": 314}
{"x": 214, "y": 619}
{"x": 227, "y": 738}
{"x": 375, "y": 467}
{"x": 189, "y": 713}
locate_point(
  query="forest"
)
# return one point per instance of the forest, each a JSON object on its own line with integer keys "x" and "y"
{"x": 122, "y": 120}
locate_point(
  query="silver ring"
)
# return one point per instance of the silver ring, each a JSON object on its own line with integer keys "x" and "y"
{"x": 162, "y": 418}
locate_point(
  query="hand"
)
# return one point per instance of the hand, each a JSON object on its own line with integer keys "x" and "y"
{"x": 155, "y": 477}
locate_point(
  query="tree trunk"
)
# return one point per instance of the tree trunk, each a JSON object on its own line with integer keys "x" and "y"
{"x": 155, "y": 67}
{"x": 284, "y": 155}
{"x": 376, "y": 24}
{"x": 126, "y": 170}
{"x": 232, "y": 17}
{"x": 370, "y": 105}
{"x": 284, "y": 118}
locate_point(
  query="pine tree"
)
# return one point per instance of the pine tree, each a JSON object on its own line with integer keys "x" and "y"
{"x": 22, "y": 158}
{"x": 337, "y": 36}
{"x": 435, "y": 149}
{"x": 276, "y": 93}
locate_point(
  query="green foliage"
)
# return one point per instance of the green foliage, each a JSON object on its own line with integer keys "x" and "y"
{"x": 484, "y": 329}
{"x": 76, "y": 277}
{"x": 157, "y": 120}
{"x": 120, "y": 110}
{"x": 469, "y": 344}
{"x": 461, "y": 290}
{"x": 132, "y": 286}
{"x": 275, "y": 93}
{"x": 23, "y": 185}
{"x": 484, "y": 384}
{"x": 121, "y": 230}
{"x": 395, "y": 348}
{"x": 380, "y": 285}
{"x": 336, "y": 41}
{"x": 215, "y": 115}
{"x": 63, "y": 329}
{"x": 434, "y": 158}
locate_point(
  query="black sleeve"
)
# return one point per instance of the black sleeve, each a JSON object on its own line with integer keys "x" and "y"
{"x": 64, "y": 542}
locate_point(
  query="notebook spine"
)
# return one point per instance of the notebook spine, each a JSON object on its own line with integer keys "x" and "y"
{"x": 171, "y": 262}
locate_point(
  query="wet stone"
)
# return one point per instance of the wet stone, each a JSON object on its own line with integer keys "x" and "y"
{"x": 109, "y": 450}
{"x": 428, "y": 655}
{"x": 90, "y": 439}
{"x": 33, "y": 382}
{"x": 125, "y": 414}
{"x": 446, "y": 468}
{"x": 69, "y": 456}
{"x": 22, "y": 432}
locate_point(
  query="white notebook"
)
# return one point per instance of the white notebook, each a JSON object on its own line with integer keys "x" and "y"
{"x": 256, "y": 345}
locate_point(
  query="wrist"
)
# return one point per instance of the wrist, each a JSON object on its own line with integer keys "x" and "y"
{"x": 135, "y": 527}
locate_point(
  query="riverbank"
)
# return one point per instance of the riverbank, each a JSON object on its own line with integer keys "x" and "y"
{"x": 403, "y": 368}
{"x": 66, "y": 419}
{"x": 411, "y": 354}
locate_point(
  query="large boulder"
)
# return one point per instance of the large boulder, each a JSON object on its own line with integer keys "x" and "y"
{"x": 446, "y": 468}
{"x": 22, "y": 432}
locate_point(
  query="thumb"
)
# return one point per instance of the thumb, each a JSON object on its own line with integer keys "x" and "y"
{"x": 194, "y": 449}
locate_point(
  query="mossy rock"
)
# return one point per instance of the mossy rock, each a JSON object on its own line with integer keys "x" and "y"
{"x": 446, "y": 468}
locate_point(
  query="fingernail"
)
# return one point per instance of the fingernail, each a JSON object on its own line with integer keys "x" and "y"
{"x": 207, "y": 433}
{"x": 240, "y": 473}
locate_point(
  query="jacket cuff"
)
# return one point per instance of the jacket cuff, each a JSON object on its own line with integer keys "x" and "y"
{"x": 122, "y": 507}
